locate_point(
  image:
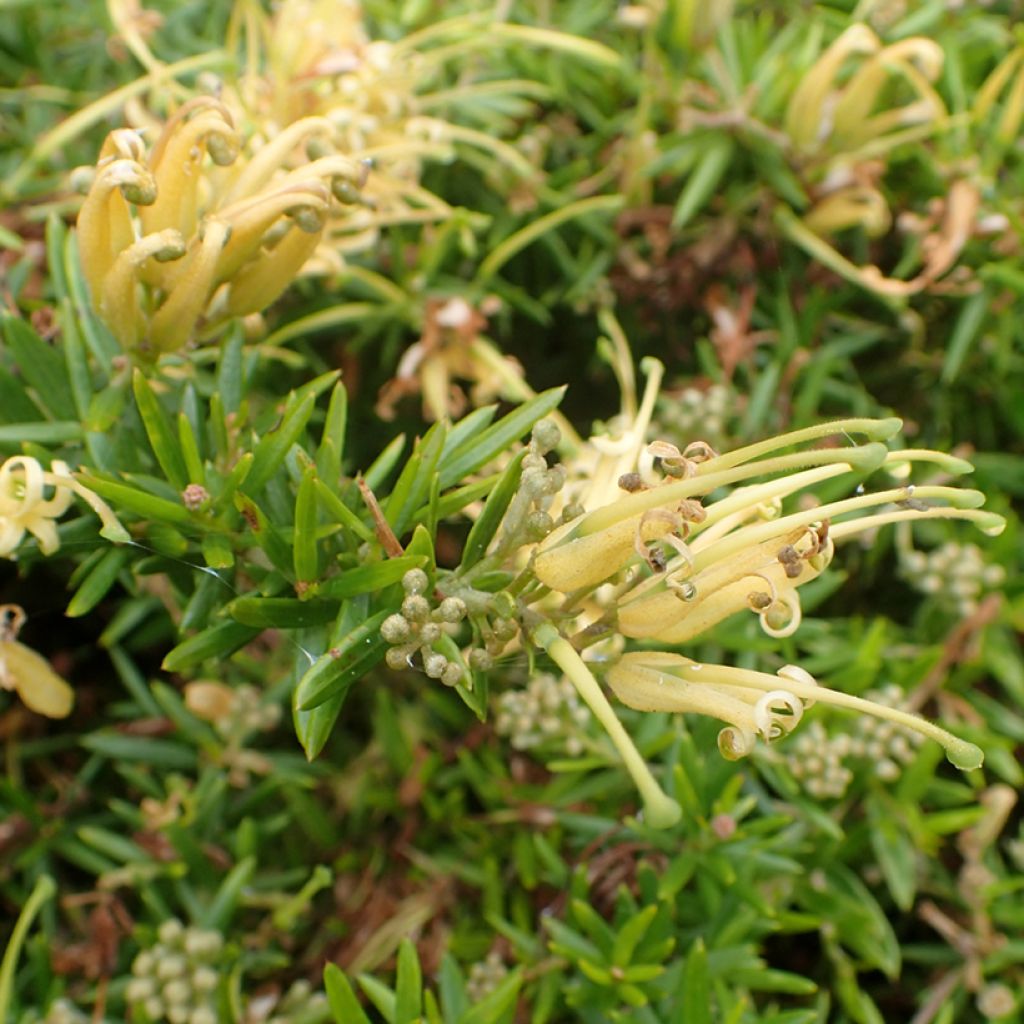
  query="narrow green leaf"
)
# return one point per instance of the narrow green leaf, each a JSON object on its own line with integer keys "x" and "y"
{"x": 100, "y": 579}
{"x": 332, "y": 440}
{"x": 142, "y": 503}
{"x": 214, "y": 642}
{"x": 117, "y": 847}
{"x": 270, "y": 539}
{"x": 146, "y": 749}
{"x": 217, "y": 551}
{"x": 965, "y": 330}
{"x": 498, "y": 1004}
{"x": 163, "y": 438}
{"x": 540, "y": 226}
{"x": 40, "y": 433}
{"x": 368, "y": 579}
{"x": 228, "y": 896}
{"x": 408, "y": 985}
{"x": 695, "y": 1005}
{"x": 15, "y": 404}
{"x": 380, "y": 995}
{"x": 701, "y": 184}
{"x": 471, "y": 425}
{"x": 413, "y": 485}
{"x": 107, "y": 406}
{"x": 342, "y": 1000}
{"x": 382, "y": 466}
{"x": 629, "y": 935}
{"x": 334, "y": 672}
{"x": 894, "y": 850}
{"x": 334, "y": 506}
{"x": 269, "y": 453}
{"x": 41, "y": 365}
{"x": 187, "y": 441}
{"x": 192, "y": 728}
{"x": 305, "y": 556}
{"x": 476, "y": 452}
{"x": 56, "y": 240}
{"x": 230, "y": 386}
{"x": 282, "y": 612}
{"x": 451, "y": 986}
{"x": 75, "y": 361}
{"x": 486, "y": 526}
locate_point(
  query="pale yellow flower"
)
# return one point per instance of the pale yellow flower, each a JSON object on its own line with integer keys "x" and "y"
{"x": 686, "y": 553}
{"x": 32, "y": 499}
{"x": 28, "y": 673}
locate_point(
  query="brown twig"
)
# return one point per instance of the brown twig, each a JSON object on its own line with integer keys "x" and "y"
{"x": 380, "y": 525}
{"x": 954, "y": 650}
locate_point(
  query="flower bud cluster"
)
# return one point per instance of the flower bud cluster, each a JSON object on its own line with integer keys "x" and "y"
{"x": 419, "y": 627}
{"x": 821, "y": 762}
{"x": 485, "y": 976}
{"x": 693, "y": 412}
{"x": 956, "y": 574}
{"x": 248, "y": 714}
{"x": 547, "y": 712}
{"x": 529, "y": 519}
{"x": 300, "y": 1003}
{"x": 176, "y": 979}
{"x": 63, "y": 1011}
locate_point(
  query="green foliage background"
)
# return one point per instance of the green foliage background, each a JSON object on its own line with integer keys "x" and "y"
{"x": 416, "y": 840}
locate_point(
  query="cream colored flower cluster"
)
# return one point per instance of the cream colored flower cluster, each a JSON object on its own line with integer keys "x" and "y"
{"x": 956, "y": 574}
{"x": 547, "y": 713}
{"x": 176, "y": 979}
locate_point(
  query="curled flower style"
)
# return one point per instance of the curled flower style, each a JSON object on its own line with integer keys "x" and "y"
{"x": 32, "y": 499}
{"x": 687, "y": 553}
{"x": 28, "y": 673}
{"x": 754, "y": 704}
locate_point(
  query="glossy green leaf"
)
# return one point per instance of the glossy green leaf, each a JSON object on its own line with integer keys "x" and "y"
{"x": 334, "y": 672}
{"x": 216, "y": 641}
{"x": 163, "y": 438}
{"x": 98, "y": 582}
{"x": 476, "y": 452}
{"x": 486, "y": 526}
{"x": 282, "y": 612}
{"x": 269, "y": 453}
{"x": 368, "y": 579}
{"x": 304, "y": 540}
{"x": 408, "y": 985}
{"x": 345, "y": 1008}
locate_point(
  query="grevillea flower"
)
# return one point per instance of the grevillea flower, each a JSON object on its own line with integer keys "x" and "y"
{"x": 687, "y": 553}
{"x": 171, "y": 241}
{"x": 32, "y": 499}
{"x": 28, "y": 673}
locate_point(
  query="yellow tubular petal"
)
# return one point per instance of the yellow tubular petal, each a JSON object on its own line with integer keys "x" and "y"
{"x": 179, "y": 171}
{"x": 171, "y": 327}
{"x": 274, "y": 154}
{"x": 804, "y": 122}
{"x": 257, "y": 285}
{"x": 996, "y": 82}
{"x": 962, "y": 754}
{"x": 104, "y": 220}
{"x": 119, "y": 301}
{"x": 251, "y": 220}
{"x": 39, "y": 687}
{"x": 645, "y": 681}
{"x": 587, "y": 561}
